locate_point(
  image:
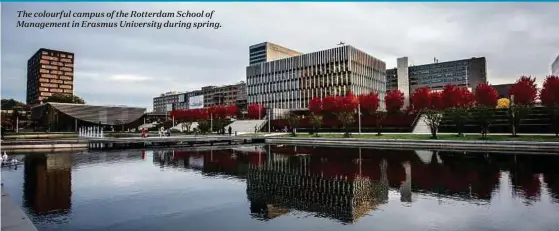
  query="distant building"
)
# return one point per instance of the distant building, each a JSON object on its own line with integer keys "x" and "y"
{"x": 463, "y": 73}
{"x": 266, "y": 52}
{"x": 49, "y": 72}
{"x": 291, "y": 82}
{"x": 170, "y": 100}
{"x": 208, "y": 96}
{"x": 555, "y": 66}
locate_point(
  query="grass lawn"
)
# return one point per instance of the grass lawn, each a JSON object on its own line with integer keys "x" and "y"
{"x": 441, "y": 137}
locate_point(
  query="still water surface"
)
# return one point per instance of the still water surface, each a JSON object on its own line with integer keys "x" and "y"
{"x": 287, "y": 188}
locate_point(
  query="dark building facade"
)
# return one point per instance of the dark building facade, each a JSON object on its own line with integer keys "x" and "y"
{"x": 503, "y": 89}
{"x": 49, "y": 72}
{"x": 463, "y": 73}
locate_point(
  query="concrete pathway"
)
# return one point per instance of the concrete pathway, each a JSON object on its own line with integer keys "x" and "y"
{"x": 13, "y": 217}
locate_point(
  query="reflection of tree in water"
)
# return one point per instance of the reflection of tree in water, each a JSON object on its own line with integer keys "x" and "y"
{"x": 280, "y": 185}
{"x": 527, "y": 172}
{"x": 456, "y": 175}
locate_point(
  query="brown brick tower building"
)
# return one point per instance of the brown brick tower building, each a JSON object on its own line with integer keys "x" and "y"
{"x": 49, "y": 72}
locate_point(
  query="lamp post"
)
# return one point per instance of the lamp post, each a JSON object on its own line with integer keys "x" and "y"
{"x": 512, "y": 114}
{"x": 359, "y": 114}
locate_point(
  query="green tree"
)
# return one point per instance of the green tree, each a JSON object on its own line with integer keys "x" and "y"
{"x": 9, "y": 104}
{"x": 64, "y": 98}
{"x": 316, "y": 121}
{"x": 293, "y": 121}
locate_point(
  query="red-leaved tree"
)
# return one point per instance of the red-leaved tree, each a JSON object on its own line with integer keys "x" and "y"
{"x": 429, "y": 103}
{"x": 486, "y": 100}
{"x": 329, "y": 105}
{"x": 256, "y": 111}
{"x": 549, "y": 95}
{"x": 433, "y": 113}
{"x": 450, "y": 96}
{"x": 232, "y": 110}
{"x": 394, "y": 101}
{"x": 524, "y": 93}
{"x": 420, "y": 98}
{"x": 315, "y": 105}
{"x": 369, "y": 103}
{"x": 189, "y": 116}
{"x": 456, "y": 103}
{"x": 345, "y": 110}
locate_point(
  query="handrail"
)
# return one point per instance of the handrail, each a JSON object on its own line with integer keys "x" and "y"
{"x": 417, "y": 117}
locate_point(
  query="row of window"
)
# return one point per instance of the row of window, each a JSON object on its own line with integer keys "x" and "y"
{"x": 321, "y": 57}
{"x": 438, "y": 65}
{"x": 52, "y": 54}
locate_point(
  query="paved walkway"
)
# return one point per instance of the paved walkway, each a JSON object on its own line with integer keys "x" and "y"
{"x": 13, "y": 218}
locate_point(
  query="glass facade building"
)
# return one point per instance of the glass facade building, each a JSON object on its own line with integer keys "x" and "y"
{"x": 291, "y": 82}
{"x": 463, "y": 73}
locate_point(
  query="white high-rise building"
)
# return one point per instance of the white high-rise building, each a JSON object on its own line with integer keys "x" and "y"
{"x": 291, "y": 82}
{"x": 403, "y": 79}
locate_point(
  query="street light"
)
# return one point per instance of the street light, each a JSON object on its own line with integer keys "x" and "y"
{"x": 359, "y": 113}
{"x": 512, "y": 114}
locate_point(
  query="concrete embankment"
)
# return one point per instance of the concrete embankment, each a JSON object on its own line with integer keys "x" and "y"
{"x": 13, "y": 217}
{"x": 58, "y": 144}
{"x": 503, "y": 146}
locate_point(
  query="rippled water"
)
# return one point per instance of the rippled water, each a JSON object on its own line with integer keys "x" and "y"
{"x": 287, "y": 188}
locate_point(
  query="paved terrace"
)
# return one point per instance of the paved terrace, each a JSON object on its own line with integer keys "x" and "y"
{"x": 13, "y": 218}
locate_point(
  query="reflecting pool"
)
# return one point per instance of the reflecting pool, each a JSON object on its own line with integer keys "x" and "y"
{"x": 286, "y": 188}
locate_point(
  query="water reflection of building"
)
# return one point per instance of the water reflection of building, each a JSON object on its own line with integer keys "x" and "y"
{"x": 211, "y": 162}
{"x": 283, "y": 181}
{"x": 48, "y": 182}
{"x": 445, "y": 174}
{"x": 293, "y": 182}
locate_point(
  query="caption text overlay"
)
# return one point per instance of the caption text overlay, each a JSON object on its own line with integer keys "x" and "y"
{"x": 118, "y": 19}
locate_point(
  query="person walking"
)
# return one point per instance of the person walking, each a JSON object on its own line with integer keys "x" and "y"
{"x": 230, "y": 130}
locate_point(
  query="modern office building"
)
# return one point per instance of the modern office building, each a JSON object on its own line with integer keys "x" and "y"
{"x": 291, "y": 82}
{"x": 266, "y": 52}
{"x": 208, "y": 96}
{"x": 463, "y": 73}
{"x": 555, "y": 66}
{"x": 49, "y": 72}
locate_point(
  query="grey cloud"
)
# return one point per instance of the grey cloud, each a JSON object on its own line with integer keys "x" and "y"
{"x": 516, "y": 38}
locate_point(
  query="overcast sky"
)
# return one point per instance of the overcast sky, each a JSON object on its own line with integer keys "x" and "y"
{"x": 129, "y": 66}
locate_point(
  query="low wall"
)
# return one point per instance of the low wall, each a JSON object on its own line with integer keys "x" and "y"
{"x": 43, "y": 144}
{"x": 548, "y": 147}
{"x": 13, "y": 136}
